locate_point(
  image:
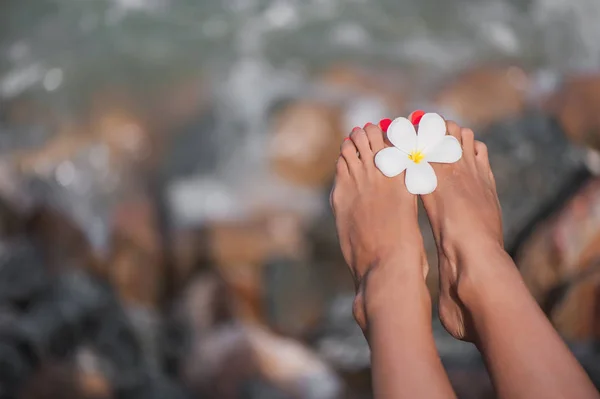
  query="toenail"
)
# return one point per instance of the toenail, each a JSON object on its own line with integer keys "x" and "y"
{"x": 347, "y": 138}
{"x": 367, "y": 124}
{"x": 355, "y": 129}
{"x": 416, "y": 116}
{"x": 385, "y": 124}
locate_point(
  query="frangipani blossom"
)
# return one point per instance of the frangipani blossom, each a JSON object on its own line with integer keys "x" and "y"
{"x": 414, "y": 153}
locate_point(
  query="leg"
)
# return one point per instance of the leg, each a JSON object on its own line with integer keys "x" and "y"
{"x": 379, "y": 235}
{"x": 482, "y": 296}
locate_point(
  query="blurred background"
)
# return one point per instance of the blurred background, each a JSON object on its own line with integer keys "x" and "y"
{"x": 165, "y": 167}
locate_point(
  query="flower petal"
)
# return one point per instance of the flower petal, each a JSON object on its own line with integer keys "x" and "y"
{"x": 420, "y": 178}
{"x": 391, "y": 161}
{"x": 432, "y": 129}
{"x": 446, "y": 151}
{"x": 402, "y": 135}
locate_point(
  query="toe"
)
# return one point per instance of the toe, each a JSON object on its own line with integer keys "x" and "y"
{"x": 454, "y": 130}
{"x": 483, "y": 162}
{"x": 341, "y": 168}
{"x": 350, "y": 155}
{"x": 468, "y": 141}
{"x": 480, "y": 148}
{"x": 375, "y": 136}
{"x": 361, "y": 141}
{"x": 415, "y": 116}
{"x": 492, "y": 181}
{"x": 481, "y": 154}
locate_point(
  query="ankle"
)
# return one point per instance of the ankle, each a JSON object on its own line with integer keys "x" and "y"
{"x": 467, "y": 256}
{"x": 386, "y": 288}
{"x": 483, "y": 274}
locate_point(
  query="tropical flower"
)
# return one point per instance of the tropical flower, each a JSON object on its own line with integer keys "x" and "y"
{"x": 414, "y": 153}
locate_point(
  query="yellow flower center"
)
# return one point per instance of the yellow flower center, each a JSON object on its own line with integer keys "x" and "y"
{"x": 416, "y": 156}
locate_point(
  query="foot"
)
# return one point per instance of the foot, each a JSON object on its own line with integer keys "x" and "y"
{"x": 376, "y": 217}
{"x": 465, "y": 217}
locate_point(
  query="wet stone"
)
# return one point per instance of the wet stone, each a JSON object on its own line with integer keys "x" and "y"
{"x": 533, "y": 164}
{"x": 485, "y": 95}
{"x": 234, "y": 359}
{"x": 294, "y": 296}
{"x": 305, "y": 143}
{"x": 575, "y": 107}
{"x": 136, "y": 262}
{"x": 560, "y": 264}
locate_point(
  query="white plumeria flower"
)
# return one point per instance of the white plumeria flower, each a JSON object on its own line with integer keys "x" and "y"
{"x": 414, "y": 153}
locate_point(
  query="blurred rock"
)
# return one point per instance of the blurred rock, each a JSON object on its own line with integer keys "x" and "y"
{"x": 592, "y": 161}
{"x": 235, "y": 360}
{"x": 190, "y": 253}
{"x": 471, "y": 383}
{"x": 341, "y": 341}
{"x": 72, "y": 310}
{"x": 293, "y": 367}
{"x": 11, "y": 222}
{"x": 294, "y": 296}
{"x": 26, "y": 111}
{"x": 535, "y": 168}
{"x": 485, "y": 95}
{"x": 560, "y": 260}
{"x": 386, "y": 85}
{"x": 50, "y": 328}
{"x": 225, "y": 359}
{"x": 23, "y": 273}
{"x": 264, "y": 235}
{"x": 81, "y": 171}
{"x": 91, "y": 380}
{"x": 136, "y": 265}
{"x": 305, "y": 143}
{"x": 136, "y": 270}
{"x": 15, "y": 202}
{"x": 588, "y": 354}
{"x": 180, "y": 102}
{"x": 576, "y": 316}
{"x": 63, "y": 243}
{"x": 200, "y": 307}
{"x": 255, "y": 388}
{"x": 125, "y": 134}
{"x": 204, "y": 303}
{"x": 218, "y": 363}
{"x": 241, "y": 249}
{"x": 68, "y": 140}
{"x": 55, "y": 380}
{"x": 575, "y": 106}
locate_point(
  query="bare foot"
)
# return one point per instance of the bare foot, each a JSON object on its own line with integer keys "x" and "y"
{"x": 465, "y": 217}
{"x": 376, "y": 217}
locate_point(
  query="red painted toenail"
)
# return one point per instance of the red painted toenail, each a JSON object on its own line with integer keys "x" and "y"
{"x": 385, "y": 124}
{"x": 347, "y": 138}
{"x": 367, "y": 124}
{"x": 356, "y": 128}
{"x": 416, "y": 117}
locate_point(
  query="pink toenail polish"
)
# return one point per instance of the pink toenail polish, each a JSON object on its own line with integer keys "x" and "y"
{"x": 385, "y": 124}
{"x": 347, "y": 138}
{"x": 416, "y": 117}
{"x": 367, "y": 124}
